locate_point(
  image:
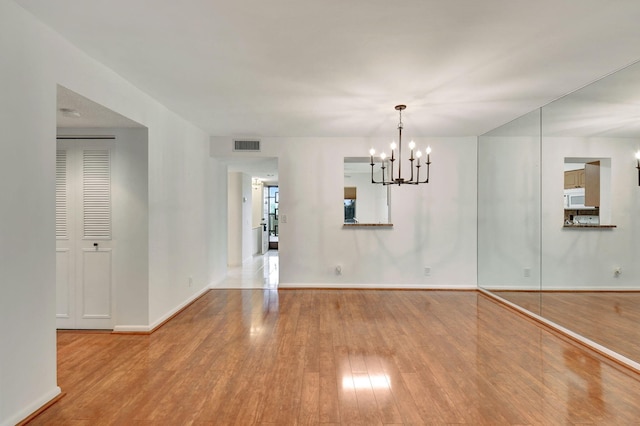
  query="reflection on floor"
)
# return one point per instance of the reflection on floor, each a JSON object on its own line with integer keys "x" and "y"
{"x": 611, "y": 319}
{"x": 366, "y": 357}
{"x": 261, "y": 272}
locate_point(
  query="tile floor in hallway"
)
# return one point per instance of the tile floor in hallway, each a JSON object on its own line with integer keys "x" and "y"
{"x": 261, "y": 272}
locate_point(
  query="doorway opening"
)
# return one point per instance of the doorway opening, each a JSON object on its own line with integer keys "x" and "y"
{"x": 272, "y": 194}
{"x": 100, "y": 177}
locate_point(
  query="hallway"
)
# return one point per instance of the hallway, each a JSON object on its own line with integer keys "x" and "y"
{"x": 261, "y": 272}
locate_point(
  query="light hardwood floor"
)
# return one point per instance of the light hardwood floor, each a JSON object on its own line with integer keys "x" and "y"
{"x": 263, "y": 356}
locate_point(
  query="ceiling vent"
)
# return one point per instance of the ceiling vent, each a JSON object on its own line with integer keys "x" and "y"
{"x": 246, "y": 145}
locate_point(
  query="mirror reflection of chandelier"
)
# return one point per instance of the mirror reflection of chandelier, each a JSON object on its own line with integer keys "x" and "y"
{"x": 388, "y": 163}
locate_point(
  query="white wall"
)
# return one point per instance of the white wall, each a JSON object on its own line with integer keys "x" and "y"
{"x": 434, "y": 224}
{"x": 186, "y": 225}
{"x": 257, "y": 204}
{"x": 27, "y": 245}
{"x": 216, "y": 212}
{"x": 130, "y": 223}
{"x": 240, "y": 235}
{"x": 181, "y": 207}
{"x": 234, "y": 228}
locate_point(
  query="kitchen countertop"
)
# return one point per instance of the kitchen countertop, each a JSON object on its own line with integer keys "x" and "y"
{"x": 586, "y": 225}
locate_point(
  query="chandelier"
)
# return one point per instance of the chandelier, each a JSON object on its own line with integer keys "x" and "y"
{"x": 415, "y": 156}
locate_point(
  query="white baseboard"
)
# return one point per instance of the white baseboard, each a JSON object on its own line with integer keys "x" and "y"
{"x": 31, "y": 408}
{"x": 131, "y": 329}
{"x": 378, "y": 286}
{"x": 162, "y": 319}
{"x": 547, "y": 288}
{"x": 177, "y": 309}
{"x": 511, "y": 288}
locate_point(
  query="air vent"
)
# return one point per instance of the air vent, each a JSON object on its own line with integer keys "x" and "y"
{"x": 246, "y": 145}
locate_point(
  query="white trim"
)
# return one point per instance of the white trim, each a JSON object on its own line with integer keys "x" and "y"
{"x": 177, "y": 309}
{"x": 558, "y": 289}
{"x": 131, "y": 328}
{"x": 32, "y": 408}
{"x": 530, "y": 287}
{"x": 587, "y": 342}
{"x": 377, "y": 286}
{"x": 162, "y": 319}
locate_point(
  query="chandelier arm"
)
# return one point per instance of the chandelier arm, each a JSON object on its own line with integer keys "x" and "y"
{"x": 383, "y": 167}
{"x": 428, "y": 167}
{"x": 427, "y": 178}
{"x": 372, "y": 179}
{"x": 411, "y": 162}
{"x": 391, "y": 170}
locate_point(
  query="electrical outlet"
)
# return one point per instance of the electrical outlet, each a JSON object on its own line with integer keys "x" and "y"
{"x": 527, "y": 272}
{"x": 190, "y": 281}
{"x": 427, "y": 271}
{"x": 338, "y": 270}
{"x": 617, "y": 271}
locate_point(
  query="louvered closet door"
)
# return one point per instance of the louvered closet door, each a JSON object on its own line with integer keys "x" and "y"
{"x": 89, "y": 294}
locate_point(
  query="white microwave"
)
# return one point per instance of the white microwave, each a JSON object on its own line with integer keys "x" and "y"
{"x": 574, "y": 199}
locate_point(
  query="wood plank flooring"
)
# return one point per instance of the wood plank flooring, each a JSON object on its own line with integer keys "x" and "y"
{"x": 608, "y": 318}
{"x": 309, "y": 357}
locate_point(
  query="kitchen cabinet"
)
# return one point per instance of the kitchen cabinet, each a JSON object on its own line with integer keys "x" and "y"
{"x": 592, "y": 184}
{"x": 574, "y": 179}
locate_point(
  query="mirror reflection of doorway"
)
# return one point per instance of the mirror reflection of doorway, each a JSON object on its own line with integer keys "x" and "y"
{"x": 273, "y": 199}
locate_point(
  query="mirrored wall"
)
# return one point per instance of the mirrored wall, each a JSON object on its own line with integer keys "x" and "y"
{"x": 559, "y": 212}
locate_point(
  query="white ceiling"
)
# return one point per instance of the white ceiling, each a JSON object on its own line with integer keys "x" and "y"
{"x": 263, "y": 168}
{"x": 77, "y": 111}
{"x": 337, "y": 68}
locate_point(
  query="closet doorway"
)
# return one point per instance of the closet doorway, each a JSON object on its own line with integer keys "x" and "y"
{"x": 84, "y": 241}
